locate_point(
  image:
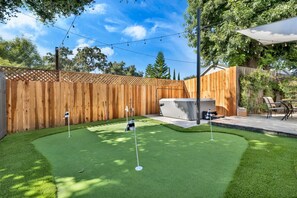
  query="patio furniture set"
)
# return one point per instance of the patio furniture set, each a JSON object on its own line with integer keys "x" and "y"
{"x": 284, "y": 105}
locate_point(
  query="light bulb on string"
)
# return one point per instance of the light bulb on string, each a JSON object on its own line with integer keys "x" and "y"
{"x": 127, "y": 44}
{"x": 161, "y": 39}
{"x": 144, "y": 41}
{"x": 111, "y": 46}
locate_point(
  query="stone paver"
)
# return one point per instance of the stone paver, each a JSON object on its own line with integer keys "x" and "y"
{"x": 178, "y": 122}
{"x": 258, "y": 123}
{"x": 261, "y": 124}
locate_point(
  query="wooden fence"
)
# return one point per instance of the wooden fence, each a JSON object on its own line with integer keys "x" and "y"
{"x": 221, "y": 86}
{"x": 38, "y": 99}
{"x": 35, "y": 104}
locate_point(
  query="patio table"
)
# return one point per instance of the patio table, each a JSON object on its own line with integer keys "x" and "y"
{"x": 289, "y": 107}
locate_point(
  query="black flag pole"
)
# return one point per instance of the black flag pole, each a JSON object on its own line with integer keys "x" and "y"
{"x": 198, "y": 66}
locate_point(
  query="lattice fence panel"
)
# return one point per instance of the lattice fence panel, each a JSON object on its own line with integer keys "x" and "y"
{"x": 25, "y": 74}
{"x": 16, "y": 73}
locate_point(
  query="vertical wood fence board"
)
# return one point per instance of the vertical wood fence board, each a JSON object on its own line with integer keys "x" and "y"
{"x": 26, "y": 119}
{"x": 8, "y": 105}
{"x": 221, "y": 86}
{"x": 40, "y": 104}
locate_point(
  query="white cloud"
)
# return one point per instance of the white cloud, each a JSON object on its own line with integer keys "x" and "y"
{"x": 107, "y": 51}
{"x": 110, "y": 28}
{"x": 136, "y": 32}
{"x": 98, "y": 9}
{"x": 160, "y": 23}
{"x": 22, "y": 25}
{"x": 21, "y": 20}
{"x": 81, "y": 43}
{"x": 114, "y": 21}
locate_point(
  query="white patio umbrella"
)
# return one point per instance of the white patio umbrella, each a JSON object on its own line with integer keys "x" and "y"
{"x": 278, "y": 32}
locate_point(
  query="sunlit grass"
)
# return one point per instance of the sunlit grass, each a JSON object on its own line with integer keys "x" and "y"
{"x": 175, "y": 164}
{"x": 268, "y": 168}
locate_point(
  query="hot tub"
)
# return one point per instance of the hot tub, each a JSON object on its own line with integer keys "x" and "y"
{"x": 185, "y": 108}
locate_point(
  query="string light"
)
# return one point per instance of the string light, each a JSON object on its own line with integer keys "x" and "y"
{"x": 120, "y": 48}
{"x": 67, "y": 33}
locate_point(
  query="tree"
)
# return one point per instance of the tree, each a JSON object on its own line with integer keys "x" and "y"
{"x": 20, "y": 51}
{"x": 131, "y": 71}
{"x": 149, "y": 71}
{"x": 178, "y": 76}
{"x": 5, "y": 62}
{"x": 160, "y": 68}
{"x": 65, "y": 63}
{"x": 46, "y": 10}
{"x": 173, "y": 78}
{"x": 220, "y": 20}
{"x": 189, "y": 77}
{"x": 169, "y": 74}
{"x": 88, "y": 59}
{"x": 115, "y": 68}
{"x": 120, "y": 69}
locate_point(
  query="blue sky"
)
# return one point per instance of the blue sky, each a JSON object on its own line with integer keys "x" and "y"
{"x": 109, "y": 22}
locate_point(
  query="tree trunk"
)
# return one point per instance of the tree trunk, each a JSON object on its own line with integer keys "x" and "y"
{"x": 252, "y": 62}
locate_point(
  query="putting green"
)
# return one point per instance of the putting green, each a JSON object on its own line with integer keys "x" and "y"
{"x": 100, "y": 162}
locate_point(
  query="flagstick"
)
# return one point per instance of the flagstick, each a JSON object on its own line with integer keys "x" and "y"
{"x": 138, "y": 167}
{"x": 127, "y": 110}
{"x": 67, "y": 116}
{"x": 68, "y": 127}
{"x": 211, "y": 134}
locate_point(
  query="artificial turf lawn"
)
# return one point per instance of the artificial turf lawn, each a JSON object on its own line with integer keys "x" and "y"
{"x": 100, "y": 161}
{"x": 268, "y": 168}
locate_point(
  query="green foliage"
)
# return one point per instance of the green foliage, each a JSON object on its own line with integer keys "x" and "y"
{"x": 149, "y": 71}
{"x": 160, "y": 67}
{"x": 119, "y": 68}
{"x": 219, "y": 40}
{"x": 5, "y": 62}
{"x": 253, "y": 87}
{"x": 46, "y": 10}
{"x": 88, "y": 59}
{"x": 288, "y": 86}
{"x": 131, "y": 71}
{"x": 189, "y": 77}
{"x": 174, "y": 78}
{"x": 65, "y": 63}
{"x": 21, "y": 52}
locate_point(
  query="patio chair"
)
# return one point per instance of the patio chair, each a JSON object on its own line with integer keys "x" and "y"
{"x": 272, "y": 106}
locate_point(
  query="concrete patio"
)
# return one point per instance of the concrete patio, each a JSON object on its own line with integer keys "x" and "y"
{"x": 256, "y": 123}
